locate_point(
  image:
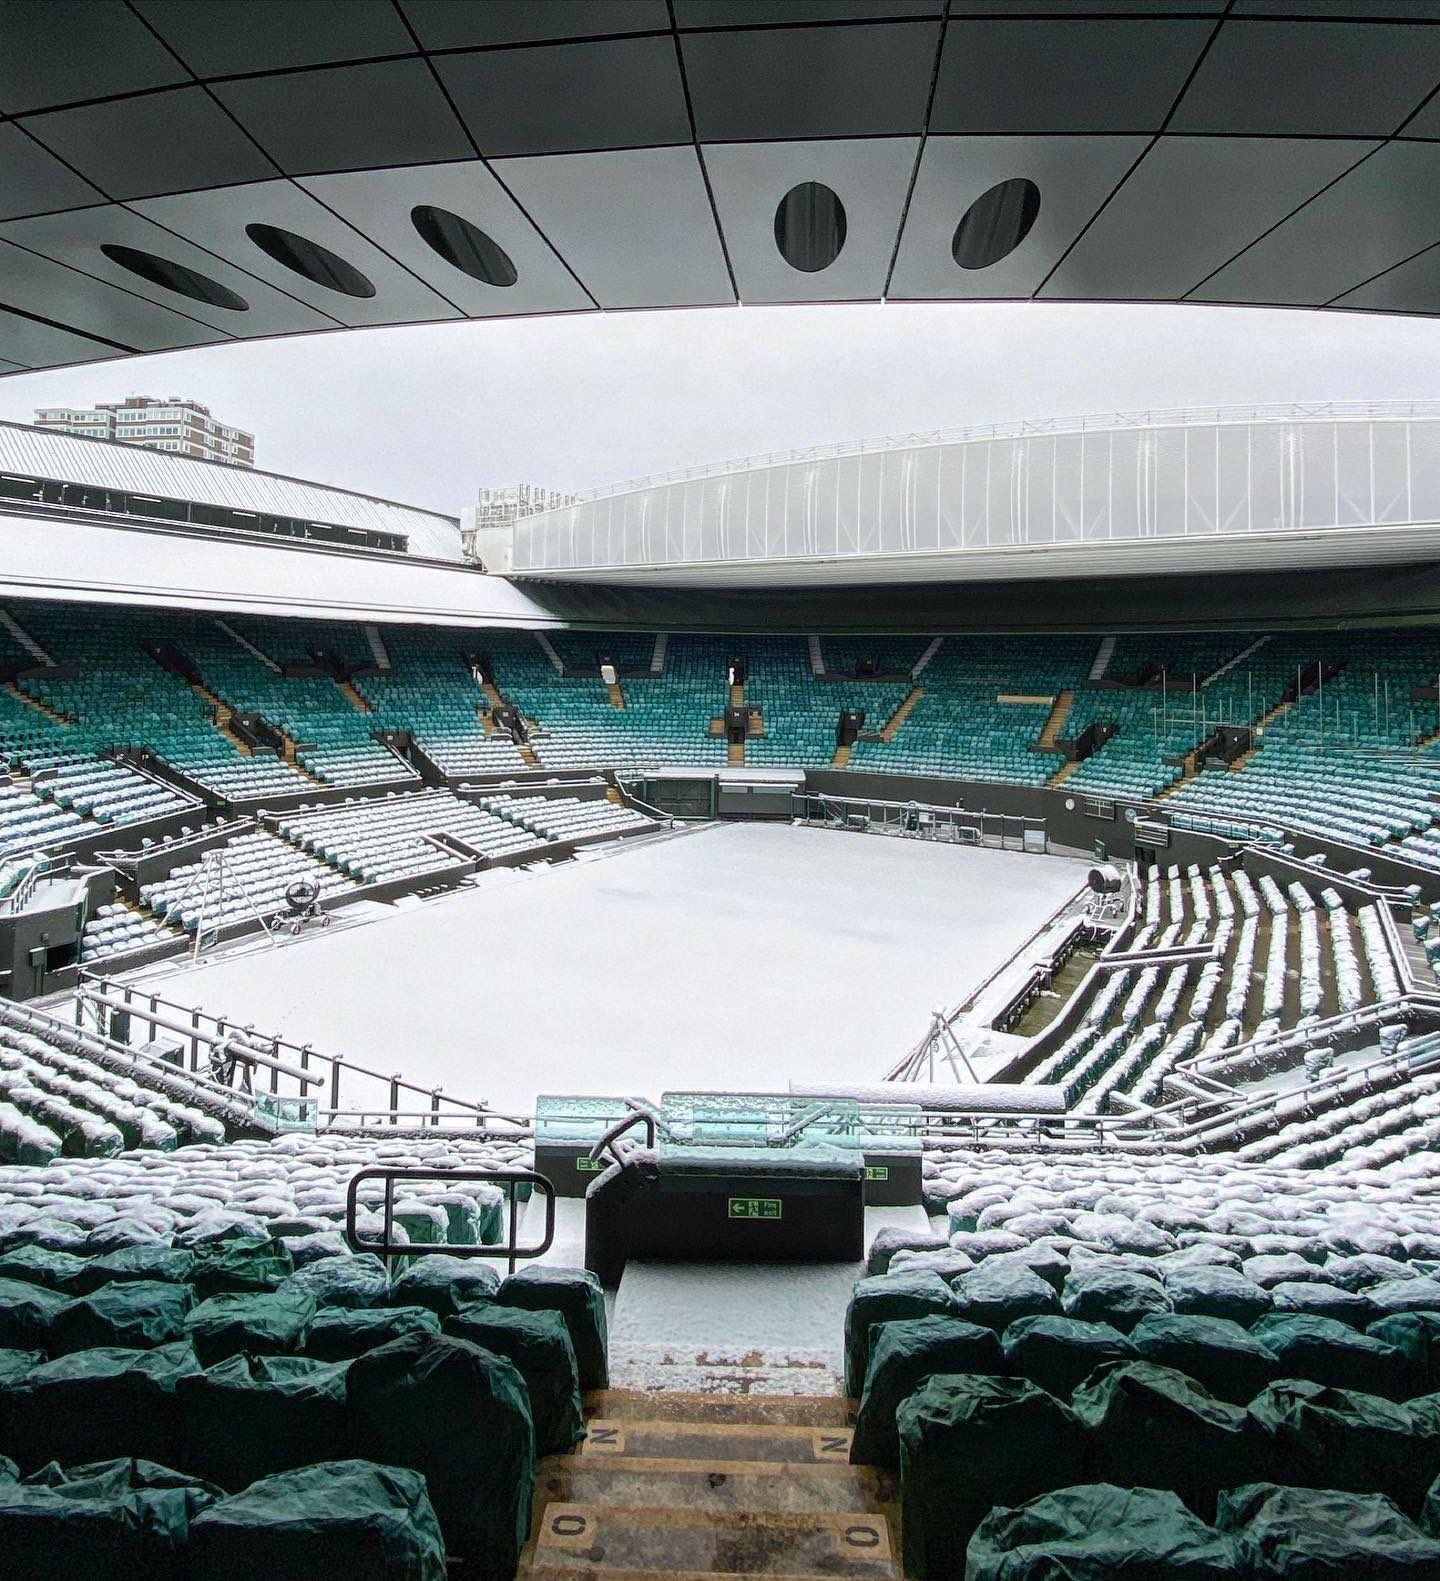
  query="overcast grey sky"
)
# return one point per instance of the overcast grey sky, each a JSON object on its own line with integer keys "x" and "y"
{"x": 427, "y": 415}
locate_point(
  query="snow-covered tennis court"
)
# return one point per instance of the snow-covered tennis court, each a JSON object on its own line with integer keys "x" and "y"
{"x": 738, "y": 956}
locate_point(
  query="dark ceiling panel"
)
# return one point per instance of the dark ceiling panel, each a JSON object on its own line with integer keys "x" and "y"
{"x": 159, "y": 142}
{"x": 1068, "y": 8}
{"x": 570, "y": 98}
{"x": 1048, "y": 75}
{"x": 33, "y": 181}
{"x": 34, "y": 345}
{"x": 470, "y": 24}
{"x": 1298, "y": 78}
{"x": 1191, "y": 204}
{"x": 348, "y": 117}
{"x": 1380, "y": 213}
{"x": 1344, "y": 10}
{"x": 1426, "y": 122}
{"x": 765, "y": 85}
{"x": 1411, "y": 287}
{"x": 61, "y": 51}
{"x": 214, "y": 39}
{"x": 767, "y": 13}
{"x": 41, "y": 286}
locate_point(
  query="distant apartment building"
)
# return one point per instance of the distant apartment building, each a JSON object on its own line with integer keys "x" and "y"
{"x": 183, "y": 427}
{"x": 486, "y": 526}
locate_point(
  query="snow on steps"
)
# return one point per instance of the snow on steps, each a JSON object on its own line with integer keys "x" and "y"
{"x": 248, "y": 646}
{"x": 548, "y": 649}
{"x": 24, "y": 638}
{"x": 923, "y": 661}
{"x": 377, "y": 647}
{"x": 1230, "y": 664}
{"x": 1103, "y": 655}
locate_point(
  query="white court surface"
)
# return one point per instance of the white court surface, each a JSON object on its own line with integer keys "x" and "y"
{"x": 736, "y": 957}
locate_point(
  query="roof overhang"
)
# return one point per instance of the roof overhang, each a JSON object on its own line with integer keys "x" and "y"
{"x": 617, "y": 154}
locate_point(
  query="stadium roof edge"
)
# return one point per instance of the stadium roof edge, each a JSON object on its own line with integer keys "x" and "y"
{"x": 228, "y": 466}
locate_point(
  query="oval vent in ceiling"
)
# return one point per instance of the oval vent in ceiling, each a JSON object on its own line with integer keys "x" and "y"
{"x": 174, "y": 277}
{"x": 309, "y": 260}
{"x": 996, "y": 223}
{"x": 463, "y": 245}
{"x": 810, "y": 227}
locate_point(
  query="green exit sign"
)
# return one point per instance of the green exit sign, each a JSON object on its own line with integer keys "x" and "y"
{"x": 755, "y": 1207}
{"x": 877, "y": 1172}
{"x": 587, "y": 1165}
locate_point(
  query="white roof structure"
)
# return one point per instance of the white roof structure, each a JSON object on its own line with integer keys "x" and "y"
{"x": 96, "y": 558}
{"x": 102, "y": 463}
{"x": 1220, "y": 489}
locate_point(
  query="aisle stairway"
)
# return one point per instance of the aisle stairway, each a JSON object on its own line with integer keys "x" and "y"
{"x": 38, "y": 704}
{"x": 223, "y": 715}
{"x": 23, "y": 637}
{"x": 353, "y": 697}
{"x": 902, "y": 713}
{"x": 1101, "y": 662}
{"x": 702, "y": 1486}
{"x": 1059, "y": 712}
{"x": 496, "y": 700}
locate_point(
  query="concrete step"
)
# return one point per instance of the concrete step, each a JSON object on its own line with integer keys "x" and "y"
{"x": 902, "y": 713}
{"x": 651, "y": 1406}
{"x": 636, "y": 1544}
{"x": 793, "y": 1489}
{"x": 710, "y": 1442}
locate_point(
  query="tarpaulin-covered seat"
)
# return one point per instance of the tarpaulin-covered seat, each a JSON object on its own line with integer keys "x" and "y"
{"x": 1314, "y": 1534}
{"x": 1357, "y": 1443}
{"x": 1099, "y": 1532}
{"x": 444, "y": 1284}
{"x": 460, "y": 1415}
{"x": 539, "y": 1345}
{"x": 1220, "y": 1355}
{"x": 576, "y": 1295}
{"x": 1059, "y": 1353}
{"x": 1151, "y": 1426}
{"x": 96, "y": 1405}
{"x": 968, "y": 1443}
{"x": 123, "y": 1520}
{"x": 889, "y": 1298}
{"x": 902, "y": 1356}
{"x": 138, "y": 1314}
{"x": 251, "y": 1416}
{"x": 268, "y": 1323}
{"x": 343, "y": 1333}
{"x": 348, "y": 1518}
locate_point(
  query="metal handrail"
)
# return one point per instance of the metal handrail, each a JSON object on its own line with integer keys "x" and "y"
{"x": 621, "y": 1126}
{"x": 197, "y": 1027}
{"x": 388, "y": 1247}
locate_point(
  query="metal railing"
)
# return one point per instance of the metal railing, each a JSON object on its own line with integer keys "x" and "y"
{"x": 921, "y": 820}
{"x": 289, "y": 1068}
{"x": 388, "y": 1247}
{"x": 37, "y": 866}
